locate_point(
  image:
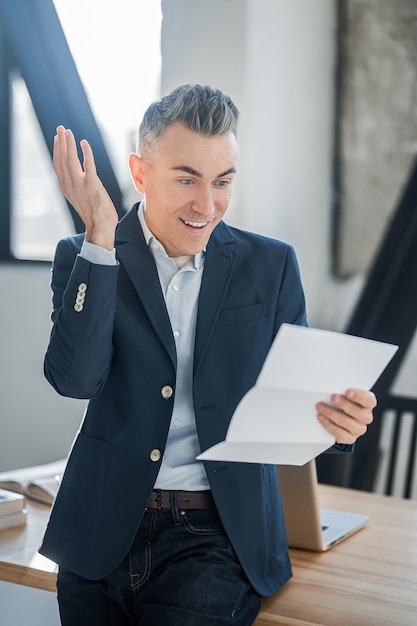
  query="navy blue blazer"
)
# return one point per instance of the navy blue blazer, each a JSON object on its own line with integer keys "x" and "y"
{"x": 118, "y": 351}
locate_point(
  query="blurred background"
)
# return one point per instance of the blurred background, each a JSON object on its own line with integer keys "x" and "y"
{"x": 327, "y": 90}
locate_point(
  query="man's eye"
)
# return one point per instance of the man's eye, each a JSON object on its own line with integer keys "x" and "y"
{"x": 186, "y": 181}
{"x": 223, "y": 183}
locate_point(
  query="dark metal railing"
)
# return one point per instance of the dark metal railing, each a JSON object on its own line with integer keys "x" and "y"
{"x": 386, "y": 311}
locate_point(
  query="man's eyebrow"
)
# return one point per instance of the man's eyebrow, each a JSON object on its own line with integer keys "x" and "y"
{"x": 193, "y": 172}
{"x": 189, "y": 170}
{"x": 231, "y": 170}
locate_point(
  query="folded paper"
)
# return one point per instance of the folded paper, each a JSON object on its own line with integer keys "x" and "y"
{"x": 276, "y": 421}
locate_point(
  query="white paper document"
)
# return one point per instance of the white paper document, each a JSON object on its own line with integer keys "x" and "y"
{"x": 276, "y": 421}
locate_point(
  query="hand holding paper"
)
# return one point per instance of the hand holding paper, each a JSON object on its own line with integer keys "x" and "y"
{"x": 348, "y": 416}
{"x": 276, "y": 420}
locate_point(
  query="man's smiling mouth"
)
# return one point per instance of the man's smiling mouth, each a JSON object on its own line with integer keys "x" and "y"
{"x": 195, "y": 224}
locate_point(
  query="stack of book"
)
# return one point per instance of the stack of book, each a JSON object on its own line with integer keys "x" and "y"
{"x": 42, "y": 490}
{"x": 12, "y": 509}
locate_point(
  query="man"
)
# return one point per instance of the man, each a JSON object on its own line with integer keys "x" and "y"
{"x": 164, "y": 321}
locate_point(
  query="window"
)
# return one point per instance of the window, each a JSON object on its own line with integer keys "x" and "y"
{"x": 116, "y": 49}
{"x": 40, "y": 216}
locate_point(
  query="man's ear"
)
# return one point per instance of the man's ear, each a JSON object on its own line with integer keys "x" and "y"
{"x": 137, "y": 166}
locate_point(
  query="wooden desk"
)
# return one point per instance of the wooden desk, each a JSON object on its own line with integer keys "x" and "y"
{"x": 20, "y": 561}
{"x": 368, "y": 580}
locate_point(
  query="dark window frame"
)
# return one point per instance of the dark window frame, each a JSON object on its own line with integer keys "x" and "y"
{"x": 32, "y": 41}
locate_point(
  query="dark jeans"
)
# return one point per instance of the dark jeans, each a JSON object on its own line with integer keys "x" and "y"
{"x": 181, "y": 571}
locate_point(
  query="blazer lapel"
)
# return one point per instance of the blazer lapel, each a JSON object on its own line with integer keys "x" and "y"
{"x": 218, "y": 269}
{"x": 137, "y": 260}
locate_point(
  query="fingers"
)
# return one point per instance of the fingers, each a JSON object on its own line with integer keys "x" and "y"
{"x": 65, "y": 161}
{"x": 68, "y": 151}
{"x": 71, "y": 155}
{"x": 88, "y": 159}
{"x": 364, "y": 398}
{"x": 57, "y": 155}
{"x": 349, "y": 415}
{"x": 83, "y": 188}
{"x": 65, "y": 157}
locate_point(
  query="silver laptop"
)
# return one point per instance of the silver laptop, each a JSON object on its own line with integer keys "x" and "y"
{"x": 308, "y": 526}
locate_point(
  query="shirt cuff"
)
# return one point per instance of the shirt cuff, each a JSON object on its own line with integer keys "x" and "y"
{"x": 343, "y": 447}
{"x": 98, "y": 255}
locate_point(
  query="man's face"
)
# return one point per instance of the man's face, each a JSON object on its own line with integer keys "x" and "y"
{"x": 187, "y": 186}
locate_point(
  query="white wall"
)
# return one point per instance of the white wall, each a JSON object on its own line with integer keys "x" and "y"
{"x": 290, "y": 106}
{"x": 36, "y": 424}
{"x": 276, "y": 60}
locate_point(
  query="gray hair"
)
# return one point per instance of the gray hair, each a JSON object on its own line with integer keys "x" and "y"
{"x": 201, "y": 108}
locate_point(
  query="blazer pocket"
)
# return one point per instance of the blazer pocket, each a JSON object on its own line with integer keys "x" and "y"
{"x": 243, "y": 314}
{"x": 76, "y": 504}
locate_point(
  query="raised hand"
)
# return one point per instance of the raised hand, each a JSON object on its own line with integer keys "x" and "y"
{"x": 83, "y": 189}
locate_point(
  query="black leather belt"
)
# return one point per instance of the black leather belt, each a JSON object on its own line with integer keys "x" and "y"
{"x": 162, "y": 499}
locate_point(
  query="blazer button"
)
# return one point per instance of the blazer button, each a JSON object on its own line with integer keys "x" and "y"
{"x": 82, "y": 287}
{"x": 155, "y": 454}
{"x": 166, "y": 392}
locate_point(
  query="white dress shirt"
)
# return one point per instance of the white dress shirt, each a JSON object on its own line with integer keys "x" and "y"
{"x": 180, "y": 283}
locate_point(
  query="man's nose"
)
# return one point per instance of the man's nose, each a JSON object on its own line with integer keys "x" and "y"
{"x": 204, "y": 201}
